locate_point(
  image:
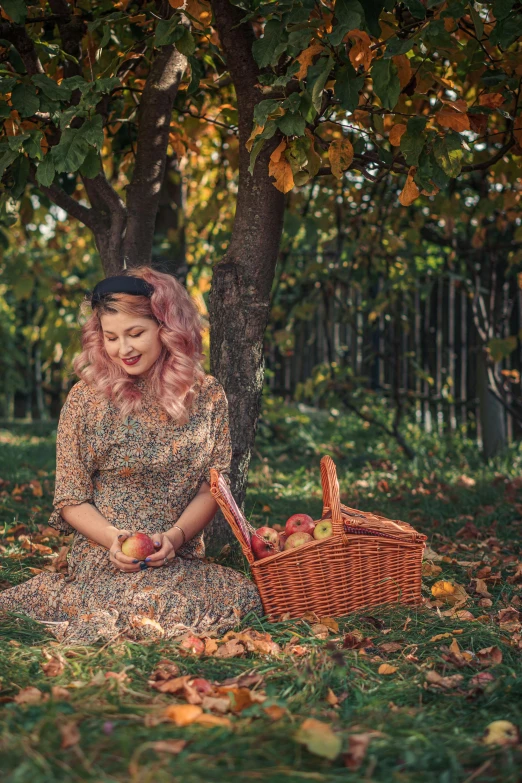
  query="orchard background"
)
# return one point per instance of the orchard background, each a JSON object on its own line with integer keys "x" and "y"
{"x": 338, "y": 186}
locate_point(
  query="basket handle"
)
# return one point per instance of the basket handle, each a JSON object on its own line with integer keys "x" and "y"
{"x": 227, "y": 513}
{"x": 331, "y": 497}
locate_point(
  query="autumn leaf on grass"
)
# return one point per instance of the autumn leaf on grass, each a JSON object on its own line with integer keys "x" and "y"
{"x": 319, "y": 738}
{"x": 54, "y": 666}
{"x": 69, "y": 732}
{"x": 280, "y": 169}
{"x": 430, "y": 554}
{"x": 340, "y": 155}
{"x": 450, "y": 593}
{"x": 183, "y": 714}
{"x": 444, "y": 683}
{"x": 358, "y": 745}
{"x": 355, "y": 640}
{"x": 501, "y": 732}
{"x": 430, "y": 569}
{"x": 192, "y": 645}
{"x": 305, "y": 59}
{"x": 29, "y": 695}
{"x": 479, "y": 587}
{"x": 449, "y": 118}
{"x": 489, "y": 656}
{"x": 396, "y": 134}
{"x": 274, "y": 711}
{"x": 410, "y": 190}
{"x": 481, "y": 679}
{"x": 385, "y": 668}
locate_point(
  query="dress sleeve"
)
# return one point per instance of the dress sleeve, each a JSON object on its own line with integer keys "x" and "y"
{"x": 75, "y": 462}
{"x": 221, "y": 450}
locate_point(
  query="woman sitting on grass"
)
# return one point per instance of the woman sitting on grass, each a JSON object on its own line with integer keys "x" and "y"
{"x": 137, "y": 437}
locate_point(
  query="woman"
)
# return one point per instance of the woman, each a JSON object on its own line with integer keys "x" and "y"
{"x": 136, "y": 439}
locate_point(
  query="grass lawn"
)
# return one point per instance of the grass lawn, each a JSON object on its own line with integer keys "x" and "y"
{"x": 389, "y": 694}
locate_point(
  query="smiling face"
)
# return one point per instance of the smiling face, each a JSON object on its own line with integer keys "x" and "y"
{"x": 126, "y": 337}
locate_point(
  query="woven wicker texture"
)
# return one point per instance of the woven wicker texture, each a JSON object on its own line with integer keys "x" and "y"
{"x": 369, "y": 560}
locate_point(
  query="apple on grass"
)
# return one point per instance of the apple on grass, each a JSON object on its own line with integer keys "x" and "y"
{"x": 139, "y": 546}
{"x": 299, "y": 523}
{"x": 297, "y": 539}
{"x": 265, "y": 542}
{"x": 323, "y": 529}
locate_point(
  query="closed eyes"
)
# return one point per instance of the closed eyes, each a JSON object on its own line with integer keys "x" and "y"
{"x": 112, "y": 339}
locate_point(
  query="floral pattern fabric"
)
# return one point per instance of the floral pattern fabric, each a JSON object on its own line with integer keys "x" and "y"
{"x": 141, "y": 474}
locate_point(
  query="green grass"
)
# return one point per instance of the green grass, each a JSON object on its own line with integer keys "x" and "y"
{"x": 425, "y": 734}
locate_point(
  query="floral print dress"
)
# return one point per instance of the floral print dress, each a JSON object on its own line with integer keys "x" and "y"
{"x": 141, "y": 474}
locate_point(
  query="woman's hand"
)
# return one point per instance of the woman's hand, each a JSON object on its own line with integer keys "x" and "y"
{"x": 165, "y": 553}
{"x": 118, "y": 559}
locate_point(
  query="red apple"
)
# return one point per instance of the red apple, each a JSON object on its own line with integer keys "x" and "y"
{"x": 323, "y": 529}
{"x": 299, "y": 523}
{"x": 297, "y": 539}
{"x": 265, "y": 542}
{"x": 139, "y": 546}
{"x": 282, "y": 538}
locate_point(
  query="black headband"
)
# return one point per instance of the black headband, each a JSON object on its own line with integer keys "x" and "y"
{"x": 121, "y": 284}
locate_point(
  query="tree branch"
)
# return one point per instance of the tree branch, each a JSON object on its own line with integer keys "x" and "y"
{"x": 24, "y": 45}
{"x": 67, "y": 203}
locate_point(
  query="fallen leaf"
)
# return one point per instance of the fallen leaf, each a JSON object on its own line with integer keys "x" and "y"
{"x": 219, "y": 704}
{"x": 332, "y": 624}
{"x": 69, "y": 732}
{"x": 444, "y": 683}
{"x": 173, "y": 746}
{"x": 29, "y": 695}
{"x": 183, "y": 714}
{"x": 480, "y": 679}
{"x": 489, "y": 656}
{"x": 230, "y": 649}
{"x": 450, "y": 593}
{"x": 241, "y": 698}
{"x": 331, "y": 698}
{"x": 274, "y": 711}
{"x": 192, "y": 645}
{"x": 430, "y": 569}
{"x": 358, "y": 745}
{"x": 501, "y": 732}
{"x": 209, "y": 721}
{"x": 53, "y": 667}
{"x": 319, "y": 738}
{"x": 210, "y": 646}
{"x": 385, "y": 668}
{"x": 464, "y": 614}
{"x": 430, "y": 554}
{"x": 479, "y": 587}
{"x": 390, "y": 647}
{"x": 440, "y": 636}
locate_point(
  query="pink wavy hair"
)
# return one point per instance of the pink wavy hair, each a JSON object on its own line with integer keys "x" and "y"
{"x": 179, "y": 366}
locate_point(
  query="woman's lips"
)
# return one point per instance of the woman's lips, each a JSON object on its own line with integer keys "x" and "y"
{"x": 133, "y": 360}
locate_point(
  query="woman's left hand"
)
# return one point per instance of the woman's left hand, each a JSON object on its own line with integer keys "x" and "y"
{"x": 165, "y": 552}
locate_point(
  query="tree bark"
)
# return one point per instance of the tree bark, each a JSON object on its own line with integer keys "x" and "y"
{"x": 242, "y": 280}
{"x": 169, "y": 249}
{"x": 492, "y": 417}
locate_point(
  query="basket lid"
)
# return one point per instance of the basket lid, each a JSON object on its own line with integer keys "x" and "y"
{"x": 372, "y": 524}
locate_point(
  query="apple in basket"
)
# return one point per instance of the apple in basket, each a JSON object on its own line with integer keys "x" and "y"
{"x": 297, "y": 539}
{"x": 323, "y": 529}
{"x": 299, "y": 523}
{"x": 265, "y": 542}
{"x": 138, "y": 546}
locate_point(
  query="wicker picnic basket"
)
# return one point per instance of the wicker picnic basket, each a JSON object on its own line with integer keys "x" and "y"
{"x": 368, "y": 560}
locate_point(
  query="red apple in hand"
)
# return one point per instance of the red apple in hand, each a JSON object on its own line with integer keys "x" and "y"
{"x": 299, "y": 523}
{"x": 139, "y": 546}
{"x": 297, "y": 539}
{"x": 323, "y": 529}
{"x": 265, "y": 542}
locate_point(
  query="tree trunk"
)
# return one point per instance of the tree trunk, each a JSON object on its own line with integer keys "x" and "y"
{"x": 242, "y": 280}
{"x": 492, "y": 418}
{"x": 169, "y": 249}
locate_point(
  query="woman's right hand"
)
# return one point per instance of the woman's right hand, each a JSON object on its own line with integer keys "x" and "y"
{"x": 118, "y": 559}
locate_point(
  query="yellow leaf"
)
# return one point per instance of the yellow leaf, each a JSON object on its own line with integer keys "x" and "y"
{"x": 440, "y": 636}
{"x": 410, "y": 190}
{"x": 69, "y": 733}
{"x": 306, "y": 57}
{"x": 340, "y": 154}
{"x": 173, "y": 746}
{"x": 385, "y": 668}
{"x": 209, "y": 721}
{"x": 275, "y": 157}
{"x": 449, "y": 118}
{"x": 319, "y": 738}
{"x": 331, "y": 698}
{"x": 451, "y": 593}
{"x": 430, "y": 569}
{"x": 281, "y": 171}
{"x": 396, "y": 134}
{"x": 403, "y": 68}
{"x": 183, "y": 714}
{"x": 250, "y": 141}
{"x": 360, "y": 52}
{"x": 501, "y": 732}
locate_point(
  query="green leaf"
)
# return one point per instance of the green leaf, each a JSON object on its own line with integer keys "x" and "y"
{"x": 256, "y": 149}
{"x": 92, "y": 131}
{"x": 372, "y": 12}
{"x": 21, "y": 175}
{"x": 319, "y": 738}
{"x": 55, "y": 92}
{"x": 506, "y": 31}
{"x": 291, "y": 124}
{"x": 91, "y": 166}
{"x": 386, "y": 82}
{"x": 45, "y": 172}
{"x": 5, "y": 110}
{"x": 478, "y": 24}
{"x": 265, "y": 48}
{"x": 502, "y": 349}
{"x": 398, "y": 46}
{"x": 16, "y": 142}
{"x": 263, "y": 109}
{"x": 502, "y": 8}
{"x": 16, "y": 9}
{"x": 416, "y": 8}
{"x": 325, "y": 66}
{"x": 6, "y": 84}
{"x": 32, "y": 145}
{"x": 164, "y": 31}
{"x": 349, "y": 15}
{"x": 448, "y": 154}
{"x": 439, "y": 178}
{"x": 25, "y": 100}
{"x": 197, "y": 72}
{"x": 75, "y": 83}
{"x": 424, "y": 172}
{"x": 347, "y": 87}
{"x": 412, "y": 142}
{"x": 70, "y": 153}
{"x": 5, "y": 161}
{"x": 186, "y": 44}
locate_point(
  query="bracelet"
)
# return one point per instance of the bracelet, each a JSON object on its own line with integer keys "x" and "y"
{"x": 176, "y": 527}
